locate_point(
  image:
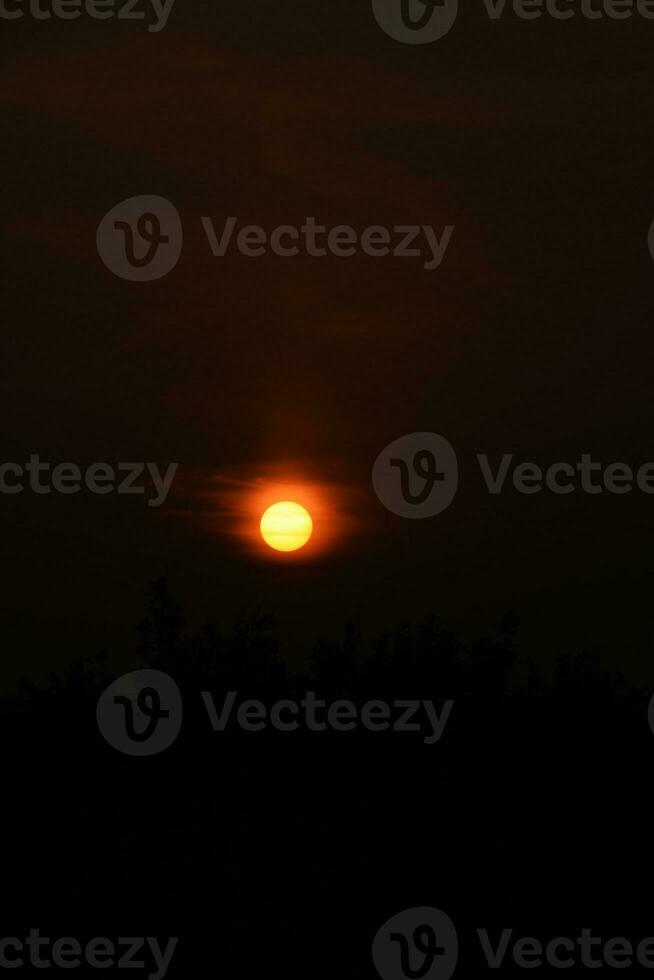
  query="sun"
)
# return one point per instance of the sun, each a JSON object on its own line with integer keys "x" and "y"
{"x": 286, "y": 526}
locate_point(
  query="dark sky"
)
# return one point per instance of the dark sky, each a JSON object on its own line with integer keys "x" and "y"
{"x": 534, "y": 139}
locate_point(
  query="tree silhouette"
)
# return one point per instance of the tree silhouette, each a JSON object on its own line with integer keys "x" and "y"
{"x": 404, "y": 662}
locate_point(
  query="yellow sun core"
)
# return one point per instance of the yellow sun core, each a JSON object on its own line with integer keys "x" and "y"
{"x": 286, "y": 526}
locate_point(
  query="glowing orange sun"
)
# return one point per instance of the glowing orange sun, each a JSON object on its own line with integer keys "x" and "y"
{"x": 286, "y": 526}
